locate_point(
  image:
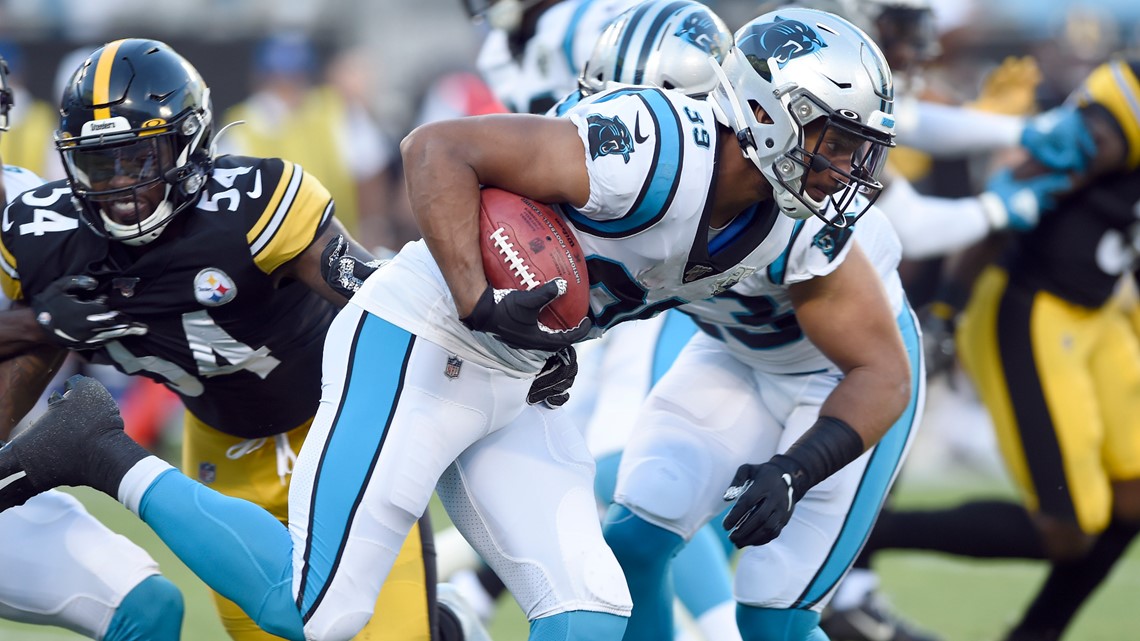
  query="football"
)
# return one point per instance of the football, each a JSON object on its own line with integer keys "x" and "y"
{"x": 526, "y": 244}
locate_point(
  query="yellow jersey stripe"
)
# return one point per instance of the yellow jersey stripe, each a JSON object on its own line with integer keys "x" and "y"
{"x": 102, "y": 86}
{"x": 290, "y": 221}
{"x": 9, "y": 277}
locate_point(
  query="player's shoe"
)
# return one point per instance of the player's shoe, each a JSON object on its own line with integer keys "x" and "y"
{"x": 79, "y": 440}
{"x": 870, "y": 620}
{"x": 449, "y": 597}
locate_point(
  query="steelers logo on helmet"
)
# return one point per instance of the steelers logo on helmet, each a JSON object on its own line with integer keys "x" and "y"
{"x": 135, "y": 135}
{"x": 213, "y": 287}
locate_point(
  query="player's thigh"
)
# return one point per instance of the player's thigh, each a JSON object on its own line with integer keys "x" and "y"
{"x": 702, "y": 421}
{"x": 523, "y": 497}
{"x": 1116, "y": 371}
{"x": 62, "y": 567}
{"x": 1029, "y": 355}
{"x": 393, "y": 415}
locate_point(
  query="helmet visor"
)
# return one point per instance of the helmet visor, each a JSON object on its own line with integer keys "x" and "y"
{"x": 96, "y": 170}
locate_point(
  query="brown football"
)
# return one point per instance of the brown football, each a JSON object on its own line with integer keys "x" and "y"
{"x": 525, "y": 244}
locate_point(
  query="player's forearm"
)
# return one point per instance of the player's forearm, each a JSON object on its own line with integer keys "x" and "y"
{"x": 444, "y": 194}
{"x": 870, "y": 400}
{"x": 19, "y": 332}
{"x": 22, "y": 379}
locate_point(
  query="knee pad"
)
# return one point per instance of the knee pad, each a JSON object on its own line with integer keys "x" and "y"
{"x": 766, "y": 624}
{"x": 578, "y": 625}
{"x": 637, "y": 542}
{"x": 659, "y": 487}
{"x": 152, "y": 611}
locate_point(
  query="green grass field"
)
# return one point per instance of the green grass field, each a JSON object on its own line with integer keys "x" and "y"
{"x": 966, "y": 601}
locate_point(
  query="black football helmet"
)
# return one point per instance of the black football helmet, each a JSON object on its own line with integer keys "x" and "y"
{"x": 5, "y": 95}
{"x": 135, "y": 133}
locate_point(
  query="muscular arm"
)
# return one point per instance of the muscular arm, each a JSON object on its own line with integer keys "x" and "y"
{"x": 306, "y": 266}
{"x": 446, "y": 162}
{"x": 847, "y": 316}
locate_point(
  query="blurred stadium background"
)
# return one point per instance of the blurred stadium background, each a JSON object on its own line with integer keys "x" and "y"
{"x": 408, "y": 44}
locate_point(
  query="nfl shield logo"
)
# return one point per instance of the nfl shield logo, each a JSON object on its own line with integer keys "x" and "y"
{"x": 452, "y": 369}
{"x": 207, "y": 472}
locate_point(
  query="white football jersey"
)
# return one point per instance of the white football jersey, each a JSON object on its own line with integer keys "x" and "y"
{"x": 547, "y": 69}
{"x": 17, "y": 180}
{"x": 755, "y": 318}
{"x": 650, "y": 158}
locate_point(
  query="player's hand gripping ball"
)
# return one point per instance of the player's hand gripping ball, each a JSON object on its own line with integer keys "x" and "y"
{"x": 526, "y": 244}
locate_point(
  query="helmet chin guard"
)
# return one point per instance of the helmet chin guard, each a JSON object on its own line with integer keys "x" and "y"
{"x": 798, "y": 69}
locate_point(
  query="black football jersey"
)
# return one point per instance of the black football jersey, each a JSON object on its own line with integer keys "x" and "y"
{"x": 1081, "y": 248}
{"x": 243, "y": 354}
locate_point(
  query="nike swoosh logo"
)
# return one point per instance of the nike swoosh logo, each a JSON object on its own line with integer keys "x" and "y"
{"x": 788, "y": 479}
{"x": 12, "y": 479}
{"x": 7, "y": 223}
{"x": 256, "y": 191}
{"x": 637, "y": 137}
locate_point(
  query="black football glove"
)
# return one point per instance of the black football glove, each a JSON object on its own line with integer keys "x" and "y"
{"x": 75, "y": 319}
{"x": 343, "y": 273}
{"x": 552, "y": 385}
{"x": 765, "y": 495}
{"x": 512, "y": 316}
{"x": 938, "y": 325}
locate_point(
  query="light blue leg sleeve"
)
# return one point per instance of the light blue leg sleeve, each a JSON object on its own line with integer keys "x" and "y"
{"x": 235, "y": 546}
{"x": 578, "y": 626}
{"x": 645, "y": 553}
{"x": 700, "y": 573}
{"x": 764, "y": 624}
{"x": 150, "y": 612}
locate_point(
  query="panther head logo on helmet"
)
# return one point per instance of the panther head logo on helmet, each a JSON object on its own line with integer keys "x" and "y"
{"x": 785, "y": 40}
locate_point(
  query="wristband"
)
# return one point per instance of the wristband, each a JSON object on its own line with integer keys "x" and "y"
{"x": 823, "y": 450}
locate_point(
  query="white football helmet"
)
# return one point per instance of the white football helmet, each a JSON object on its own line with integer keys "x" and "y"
{"x": 799, "y": 66}
{"x": 663, "y": 43}
{"x": 506, "y": 15}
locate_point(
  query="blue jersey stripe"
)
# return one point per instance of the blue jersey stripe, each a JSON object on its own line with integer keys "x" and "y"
{"x": 352, "y": 448}
{"x": 571, "y": 32}
{"x": 676, "y": 330}
{"x": 779, "y": 267}
{"x": 881, "y": 469}
{"x": 664, "y": 176}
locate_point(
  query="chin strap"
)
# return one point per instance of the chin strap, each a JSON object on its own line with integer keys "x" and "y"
{"x": 744, "y": 135}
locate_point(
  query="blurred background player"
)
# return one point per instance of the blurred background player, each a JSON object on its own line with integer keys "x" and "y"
{"x": 224, "y": 310}
{"x": 61, "y": 566}
{"x": 319, "y": 117}
{"x": 535, "y": 49}
{"x": 1047, "y": 339}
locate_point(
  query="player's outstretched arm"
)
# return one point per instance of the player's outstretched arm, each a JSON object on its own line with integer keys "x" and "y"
{"x": 446, "y": 162}
{"x": 307, "y": 266}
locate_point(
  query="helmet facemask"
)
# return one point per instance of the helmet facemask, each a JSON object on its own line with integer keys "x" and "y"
{"x": 800, "y": 68}
{"x": 835, "y": 142}
{"x": 136, "y": 180}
